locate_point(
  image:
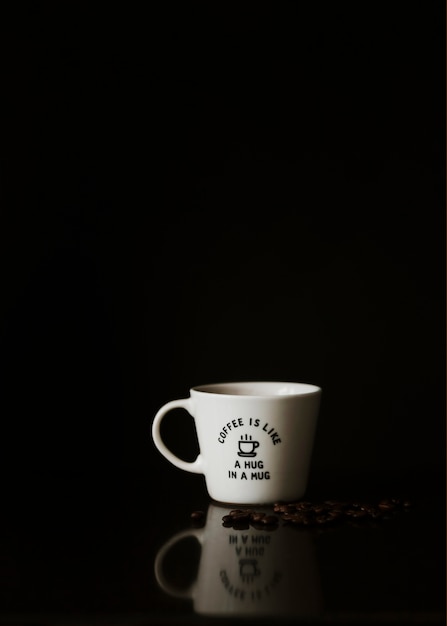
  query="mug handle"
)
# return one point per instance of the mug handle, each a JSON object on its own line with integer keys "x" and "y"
{"x": 196, "y": 467}
{"x": 161, "y": 579}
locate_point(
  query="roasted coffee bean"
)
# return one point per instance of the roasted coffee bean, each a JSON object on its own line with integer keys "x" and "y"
{"x": 283, "y": 508}
{"x": 296, "y": 518}
{"x": 240, "y": 517}
{"x": 386, "y": 505}
{"x": 197, "y": 516}
{"x": 236, "y": 512}
{"x": 324, "y": 519}
{"x": 269, "y": 520}
{"x": 319, "y": 508}
{"x": 371, "y": 510}
{"x": 269, "y": 528}
{"x": 292, "y": 516}
{"x": 336, "y": 504}
{"x": 357, "y": 513}
{"x": 303, "y": 506}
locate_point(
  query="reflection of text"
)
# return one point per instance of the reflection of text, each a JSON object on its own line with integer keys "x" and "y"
{"x": 233, "y": 590}
{"x": 254, "y": 582}
{"x": 249, "y": 545}
{"x": 254, "y": 539}
{"x": 251, "y": 595}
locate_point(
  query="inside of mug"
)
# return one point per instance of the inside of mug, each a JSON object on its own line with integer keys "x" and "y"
{"x": 258, "y": 389}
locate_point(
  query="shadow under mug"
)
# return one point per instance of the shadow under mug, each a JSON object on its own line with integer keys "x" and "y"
{"x": 255, "y": 439}
{"x": 247, "y": 572}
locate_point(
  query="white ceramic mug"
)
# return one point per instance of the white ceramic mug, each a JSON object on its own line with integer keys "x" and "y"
{"x": 247, "y": 572}
{"x": 255, "y": 439}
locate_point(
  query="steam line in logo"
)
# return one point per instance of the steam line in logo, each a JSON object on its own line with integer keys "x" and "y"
{"x": 247, "y": 446}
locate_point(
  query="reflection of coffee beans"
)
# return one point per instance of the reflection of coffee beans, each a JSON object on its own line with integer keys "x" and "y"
{"x": 305, "y": 513}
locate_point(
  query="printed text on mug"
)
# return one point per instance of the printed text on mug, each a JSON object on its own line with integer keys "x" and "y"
{"x": 254, "y": 422}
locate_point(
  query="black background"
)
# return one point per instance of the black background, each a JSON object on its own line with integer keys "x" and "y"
{"x": 214, "y": 192}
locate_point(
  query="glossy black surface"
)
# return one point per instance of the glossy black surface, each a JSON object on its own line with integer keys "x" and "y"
{"x": 199, "y": 193}
{"x": 83, "y": 550}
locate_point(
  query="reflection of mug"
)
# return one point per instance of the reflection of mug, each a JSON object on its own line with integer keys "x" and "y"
{"x": 271, "y": 424}
{"x": 248, "y": 572}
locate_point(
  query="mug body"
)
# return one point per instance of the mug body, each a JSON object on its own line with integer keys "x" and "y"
{"x": 255, "y": 439}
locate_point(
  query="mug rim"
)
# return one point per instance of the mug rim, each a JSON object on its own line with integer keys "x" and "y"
{"x": 284, "y": 389}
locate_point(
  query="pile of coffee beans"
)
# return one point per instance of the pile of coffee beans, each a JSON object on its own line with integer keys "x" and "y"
{"x": 241, "y": 519}
{"x": 306, "y": 513}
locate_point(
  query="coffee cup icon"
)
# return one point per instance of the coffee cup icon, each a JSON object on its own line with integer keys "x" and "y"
{"x": 248, "y": 569}
{"x": 247, "y": 446}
